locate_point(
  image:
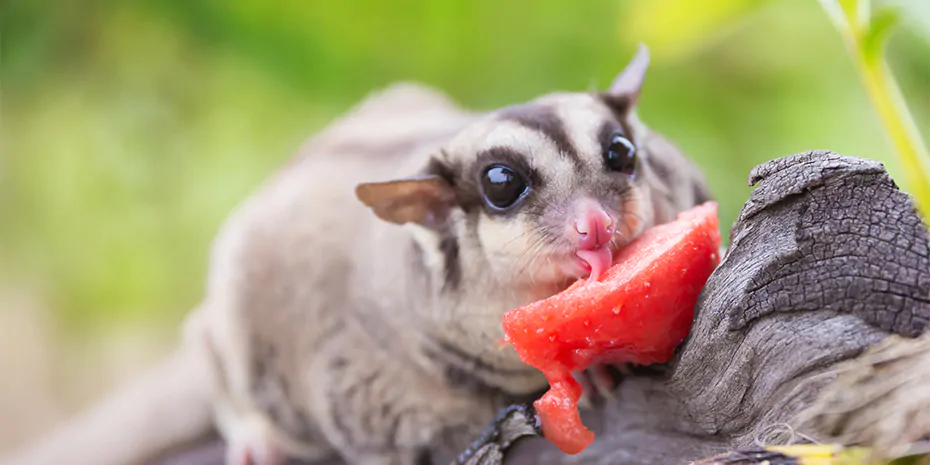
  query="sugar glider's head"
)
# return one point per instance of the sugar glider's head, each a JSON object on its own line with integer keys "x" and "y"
{"x": 534, "y": 195}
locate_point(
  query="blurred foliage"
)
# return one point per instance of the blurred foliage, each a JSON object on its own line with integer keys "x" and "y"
{"x": 131, "y": 129}
{"x": 865, "y": 32}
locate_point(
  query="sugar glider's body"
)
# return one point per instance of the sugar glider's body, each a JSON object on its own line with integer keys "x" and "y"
{"x": 312, "y": 301}
{"x": 354, "y": 301}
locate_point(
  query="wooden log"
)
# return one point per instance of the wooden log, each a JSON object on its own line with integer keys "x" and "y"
{"x": 827, "y": 259}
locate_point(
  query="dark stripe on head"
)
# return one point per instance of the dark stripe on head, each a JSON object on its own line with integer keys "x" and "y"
{"x": 439, "y": 167}
{"x": 449, "y": 247}
{"x": 620, "y": 107}
{"x": 619, "y": 104}
{"x": 545, "y": 121}
{"x": 466, "y": 190}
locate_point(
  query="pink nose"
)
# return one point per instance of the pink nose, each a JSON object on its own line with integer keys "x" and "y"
{"x": 594, "y": 227}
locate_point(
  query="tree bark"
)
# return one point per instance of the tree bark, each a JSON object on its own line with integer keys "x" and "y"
{"x": 826, "y": 259}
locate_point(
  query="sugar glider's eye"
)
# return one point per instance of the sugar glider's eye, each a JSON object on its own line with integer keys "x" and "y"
{"x": 502, "y": 186}
{"x": 621, "y": 154}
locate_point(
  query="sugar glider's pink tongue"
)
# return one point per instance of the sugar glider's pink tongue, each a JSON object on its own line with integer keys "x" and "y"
{"x": 598, "y": 259}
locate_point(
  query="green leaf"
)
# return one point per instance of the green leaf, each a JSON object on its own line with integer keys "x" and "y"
{"x": 874, "y": 39}
{"x": 851, "y": 10}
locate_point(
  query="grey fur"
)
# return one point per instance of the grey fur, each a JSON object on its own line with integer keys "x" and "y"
{"x": 329, "y": 331}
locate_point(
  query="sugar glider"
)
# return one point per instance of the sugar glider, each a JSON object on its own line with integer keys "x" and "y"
{"x": 354, "y": 301}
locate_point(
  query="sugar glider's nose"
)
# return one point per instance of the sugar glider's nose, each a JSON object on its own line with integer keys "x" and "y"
{"x": 593, "y": 227}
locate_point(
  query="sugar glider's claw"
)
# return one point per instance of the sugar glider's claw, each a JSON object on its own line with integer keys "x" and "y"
{"x": 511, "y": 423}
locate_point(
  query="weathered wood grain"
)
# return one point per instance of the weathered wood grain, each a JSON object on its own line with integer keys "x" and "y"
{"x": 826, "y": 259}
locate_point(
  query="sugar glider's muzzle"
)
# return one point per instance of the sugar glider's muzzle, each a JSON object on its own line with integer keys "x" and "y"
{"x": 591, "y": 231}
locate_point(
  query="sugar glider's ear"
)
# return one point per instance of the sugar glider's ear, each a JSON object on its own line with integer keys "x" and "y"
{"x": 624, "y": 91}
{"x": 424, "y": 200}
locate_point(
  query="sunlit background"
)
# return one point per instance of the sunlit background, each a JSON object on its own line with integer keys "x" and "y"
{"x": 131, "y": 129}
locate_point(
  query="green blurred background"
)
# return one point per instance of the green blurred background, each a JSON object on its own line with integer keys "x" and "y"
{"x": 132, "y": 128}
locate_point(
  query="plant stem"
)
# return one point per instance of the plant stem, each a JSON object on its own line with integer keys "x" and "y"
{"x": 885, "y": 95}
{"x": 865, "y": 36}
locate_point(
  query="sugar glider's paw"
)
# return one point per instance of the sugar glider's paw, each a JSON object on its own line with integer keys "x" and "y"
{"x": 254, "y": 446}
{"x": 254, "y": 454}
{"x": 599, "y": 383}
